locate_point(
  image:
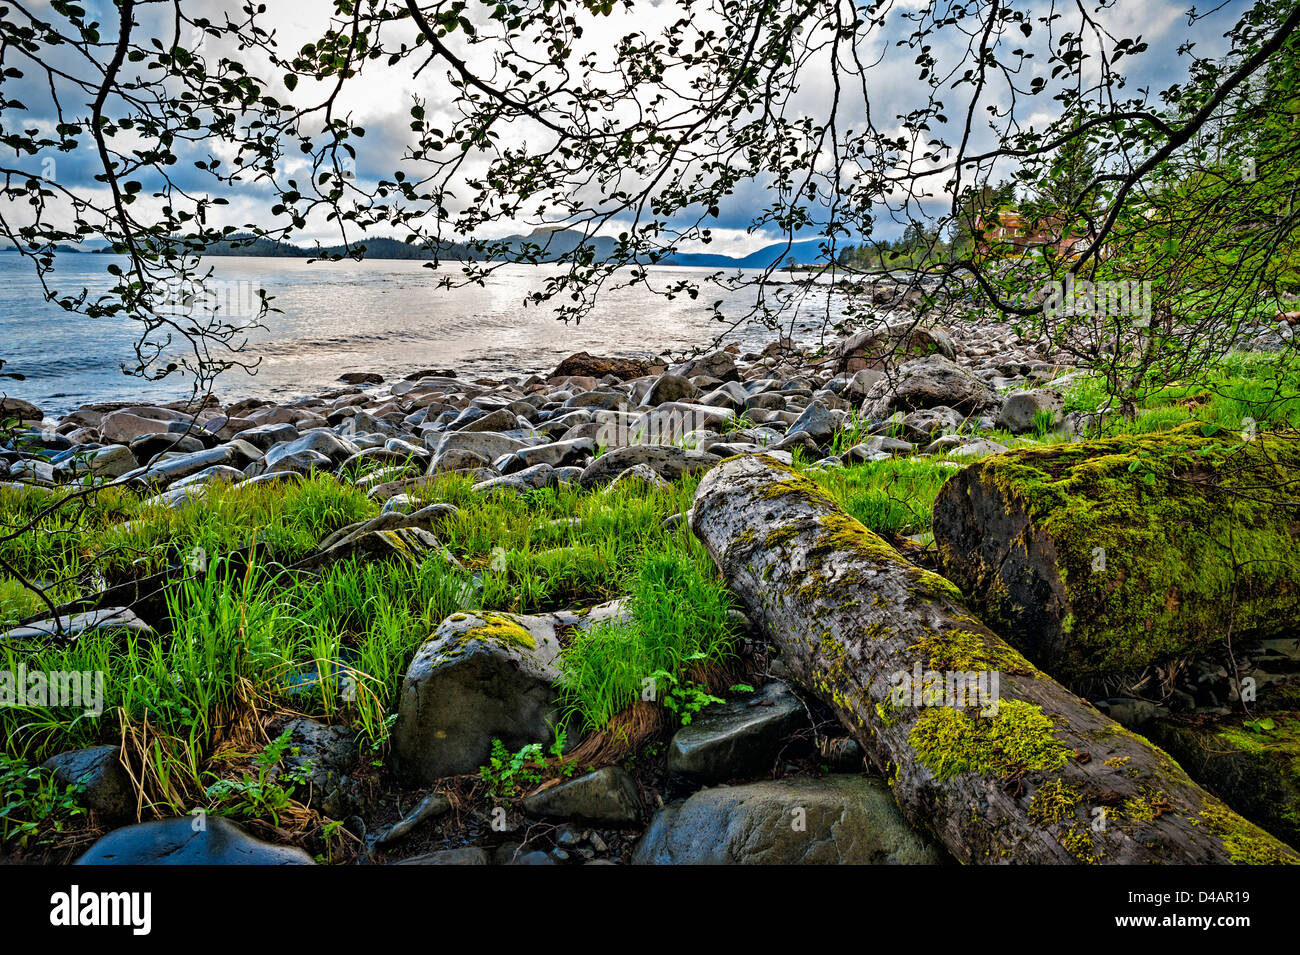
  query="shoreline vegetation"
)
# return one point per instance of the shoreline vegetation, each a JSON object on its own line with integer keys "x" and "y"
{"x": 436, "y": 620}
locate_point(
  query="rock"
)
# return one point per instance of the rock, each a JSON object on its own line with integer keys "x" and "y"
{"x": 979, "y": 448}
{"x": 719, "y": 365}
{"x": 107, "y": 786}
{"x": 449, "y": 450}
{"x": 668, "y": 462}
{"x": 1102, "y": 557}
{"x": 585, "y": 364}
{"x": 327, "y": 756}
{"x": 817, "y": 422}
{"x": 175, "y": 842}
{"x": 411, "y": 545}
{"x": 740, "y": 738}
{"x": 265, "y": 436}
{"x": 842, "y": 820}
{"x": 642, "y": 476}
{"x": 529, "y": 479}
{"x": 121, "y": 427}
{"x": 165, "y": 471}
{"x": 321, "y": 441}
{"x": 73, "y": 625}
{"x": 670, "y": 387}
{"x": 361, "y": 378}
{"x": 497, "y": 421}
{"x": 432, "y": 806}
{"x": 607, "y": 797}
{"x": 466, "y": 855}
{"x": 926, "y": 383}
{"x": 24, "y": 411}
{"x": 874, "y": 348}
{"x": 146, "y": 447}
{"x": 479, "y": 677}
{"x": 556, "y": 454}
{"x": 1021, "y": 410}
{"x": 110, "y": 462}
{"x": 302, "y": 461}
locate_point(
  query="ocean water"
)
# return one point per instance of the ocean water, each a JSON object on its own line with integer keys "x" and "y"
{"x": 385, "y": 316}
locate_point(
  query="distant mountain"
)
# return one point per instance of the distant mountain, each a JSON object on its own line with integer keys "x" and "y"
{"x": 547, "y": 245}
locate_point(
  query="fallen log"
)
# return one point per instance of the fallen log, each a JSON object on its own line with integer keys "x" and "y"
{"x": 1106, "y": 556}
{"x": 992, "y": 756}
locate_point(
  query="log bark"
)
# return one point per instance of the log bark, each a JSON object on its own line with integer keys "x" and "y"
{"x": 1030, "y": 773}
{"x": 1106, "y": 556}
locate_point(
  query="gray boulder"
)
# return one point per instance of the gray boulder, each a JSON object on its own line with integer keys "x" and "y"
{"x": 480, "y": 677}
{"x": 928, "y": 383}
{"x": 176, "y": 842}
{"x": 607, "y": 797}
{"x": 832, "y": 820}
{"x": 668, "y": 462}
{"x": 1021, "y": 409}
{"x": 107, "y": 786}
{"x": 740, "y": 738}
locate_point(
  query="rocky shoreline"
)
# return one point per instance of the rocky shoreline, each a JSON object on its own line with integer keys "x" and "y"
{"x": 605, "y": 426}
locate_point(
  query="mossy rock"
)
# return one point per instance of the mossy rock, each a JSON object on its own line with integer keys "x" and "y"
{"x": 1106, "y": 556}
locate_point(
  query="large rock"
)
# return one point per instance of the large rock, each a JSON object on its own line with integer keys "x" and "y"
{"x": 583, "y": 364}
{"x": 832, "y": 820}
{"x": 107, "y": 786}
{"x": 719, "y": 365}
{"x": 321, "y": 441}
{"x": 740, "y": 738}
{"x": 1106, "y": 556}
{"x": 671, "y": 388}
{"x": 479, "y": 677}
{"x": 607, "y": 797}
{"x": 24, "y": 411}
{"x": 928, "y": 383}
{"x": 1022, "y": 409}
{"x": 175, "y": 842}
{"x": 668, "y": 462}
{"x": 888, "y": 345}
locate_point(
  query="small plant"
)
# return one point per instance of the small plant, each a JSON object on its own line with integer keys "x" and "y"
{"x": 35, "y": 807}
{"x": 682, "y": 698}
{"x": 506, "y": 771}
{"x": 268, "y": 793}
{"x": 740, "y": 688}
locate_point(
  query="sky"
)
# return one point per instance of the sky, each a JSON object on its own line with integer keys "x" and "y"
{"x": 380, "y": 98}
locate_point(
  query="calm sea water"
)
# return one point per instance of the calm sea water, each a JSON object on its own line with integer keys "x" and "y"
{"x": 386, "y": 316}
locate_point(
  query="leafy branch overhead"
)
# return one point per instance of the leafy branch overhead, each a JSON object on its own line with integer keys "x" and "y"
{"x": 899, "y": 136}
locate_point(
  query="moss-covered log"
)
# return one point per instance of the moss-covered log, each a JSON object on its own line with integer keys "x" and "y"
{"x": 1027, "y": 772}
{"x": 1104, "y": 556}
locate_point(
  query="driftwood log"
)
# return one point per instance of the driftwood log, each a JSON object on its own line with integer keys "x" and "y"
{"x": 1105, "y": 556}
{"x": 1025, "y": 771}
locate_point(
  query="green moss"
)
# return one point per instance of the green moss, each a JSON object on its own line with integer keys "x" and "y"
{"x": 1246, "y": 843}
{"x": 968, "y": 651}
{"x": 1162, "y": 509}
{"x": 1017, "y": 740}
{"x": 500, "y": 628}
{"x": 1079, "y": 843}
{"x": 1054, "y": 802}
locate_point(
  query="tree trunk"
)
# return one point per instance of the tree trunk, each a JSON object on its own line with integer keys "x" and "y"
{"x": 1102, "y": 557}
{"x": 1029, "y": 772}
